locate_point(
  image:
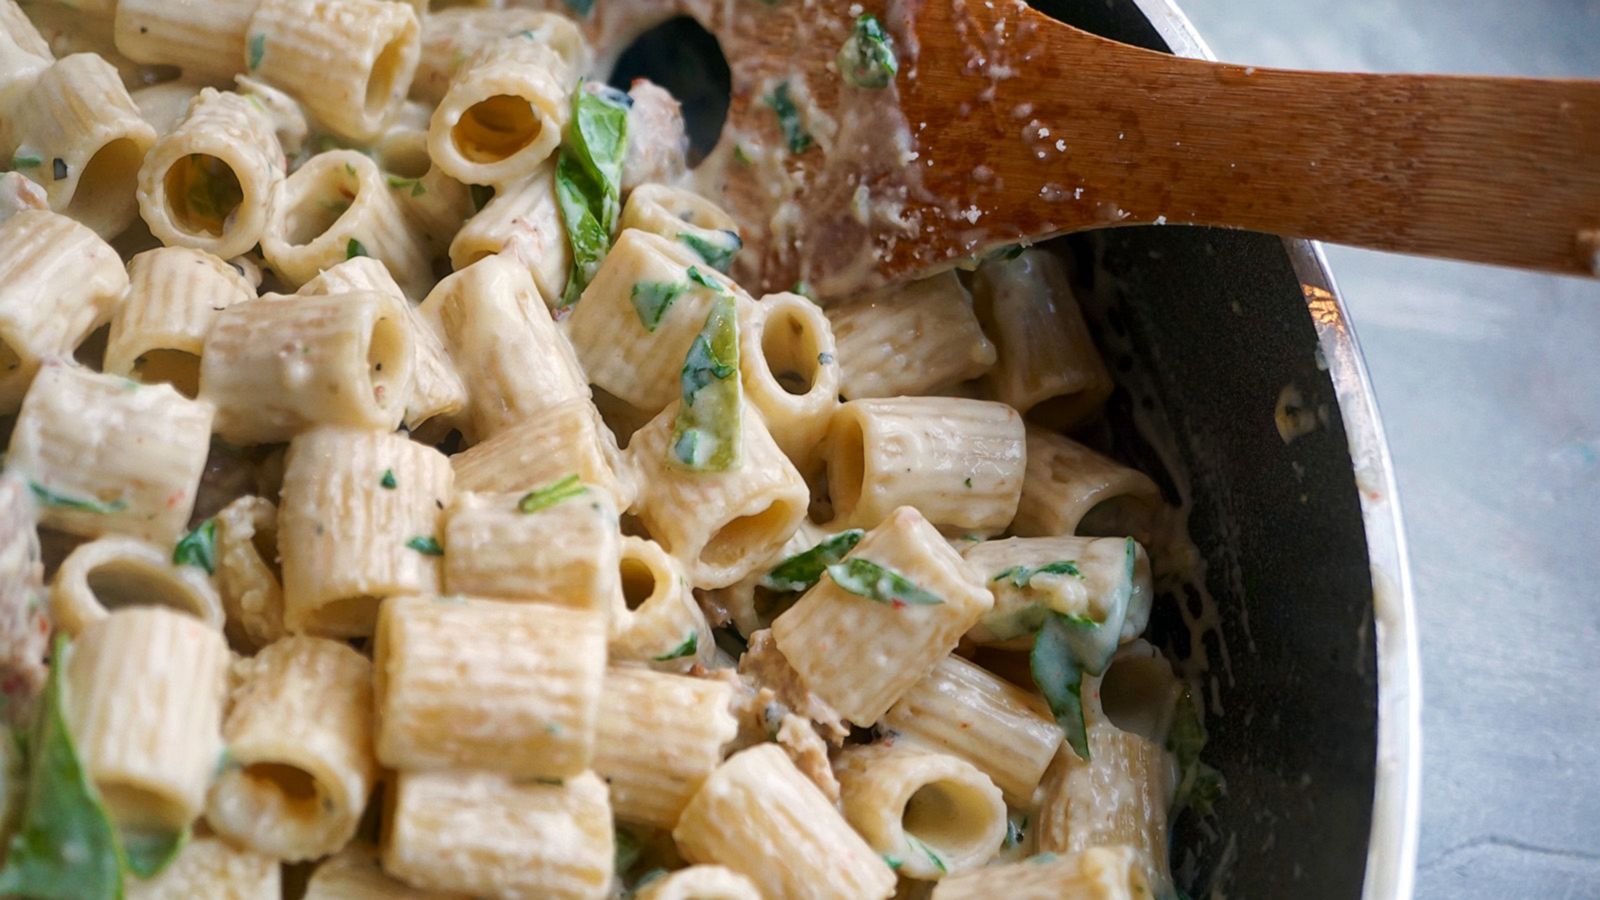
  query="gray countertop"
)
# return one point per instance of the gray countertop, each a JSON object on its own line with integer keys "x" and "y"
{"x": 1489, "y": 385}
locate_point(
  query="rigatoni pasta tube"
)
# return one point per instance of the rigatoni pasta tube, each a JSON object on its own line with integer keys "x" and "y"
{"x": 355, "y": 873}
{"x": 759, "y": 816}
{"x": 58, "y": 282}
{"x": 15, "y": 26}
{"x": 81, "y": 138}
{"x": 719, "y": 525}
{"x": 1047, "y": 366}
{"x": 174, "y": 295}
{"x": 700, "y": 883}
{"x": 482, "y": 684}
{"x": 453, "y": 36}
{"x": 563, "y": 439}
{"x": 1119, "y": 797}
{"x": 1102, "y": 873}
{"x": 105, "y": 455}
{"x": 659, "y": 737}
{"x": 634, "y": 350}
{"x": 787, "y": 360}
{"x": 118, "y": 572}
{"x": 966, "y": 711}
{"x": 436, "y": 388}
{"x": 657, "y": 143}
{"x": 212, "y": 867}
{"x": 349, "y": 61}
{"x": 275, "y": 367}
{"x": 249, "y": 579}
{"x": 503, "y": 114}
{"x": 360, "y": 518}
{"x": 145, "y": 711}
{"x": 960, "y": 462}
{"x": 300, "y": 766}
{"x": 485, "y": 834}
{"x": 25, "y": 638}
{"x": 915, "y": 338}
{"x": 513, "y": 360}
{"x": 662, "y": 625}
{"x": 557, "y": 544}
{"x": 523, "y": 222}
{"x": 337, "y": 206}
{"x": 686, "y": 217}
{"x": 203, "y": 38}
{"x": 861, "y": 653}
{"x": 207, "y": 183}
{"x": 1070, "y": 489}
{"x": 933, "y": 813}
{"x": 1084, "y": 577}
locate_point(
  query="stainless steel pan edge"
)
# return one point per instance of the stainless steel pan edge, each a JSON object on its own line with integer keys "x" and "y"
{"x": 1392, "y": 843}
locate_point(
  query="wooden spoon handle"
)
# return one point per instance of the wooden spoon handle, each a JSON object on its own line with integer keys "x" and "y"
{"x": 1494, "y": 170}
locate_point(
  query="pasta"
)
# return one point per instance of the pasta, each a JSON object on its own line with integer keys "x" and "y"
{"x": 405, "y": 499}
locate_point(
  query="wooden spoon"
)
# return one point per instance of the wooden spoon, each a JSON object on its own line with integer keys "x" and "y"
{"x": 1015, "y": 127}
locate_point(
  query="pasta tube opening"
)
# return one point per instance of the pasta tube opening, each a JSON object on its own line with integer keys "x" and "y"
{"x": 387, "y": 344}
{"x": 639, "y": 582}
{"x": 116, "y": 573}
{"x": 125, "y": 582}
{"x": 136, "y": 806}
{"x": 940, "y": 815}
{"x": 319, "y": 205}
{"x": 290, "y": 789}
{"x": 847, "y": 463}
{"x": 387, "y": 70}
{"x": 768, "y": 528}
{"x": 179, "y": 368}
{"x": 496, "y": 128}
{"x": 202, "y": 193}
{"x": 790, "y": 347}
{"x": 104, "y": 194}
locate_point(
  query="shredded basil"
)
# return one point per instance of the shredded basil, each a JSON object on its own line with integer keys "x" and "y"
{"x": 867, "y": 58}
{"x": 706, "y": 435}
{"x": 198, "y": 548}
{"x": 551, "y": 494}
{"x": 354, "y": 248}
{"x": 799, "y": 572}
{"x": 1022, "y": 576}
{"x": 652, "y": 299}
{"x": 388, "y": 481}
{"x": 48, "y": 497}
{"x": 425, "y": 544}
{"x": 932, "y": 854}
{"x": 794, "y": 132}
{"x": 1060, "y": 680}
{"x": 258, "y": 49}
{"x": 589, "y": 180}
{"x": 717, "y": 254}
{"x": 689, "y": 647}
{"x": 865, "y": 578}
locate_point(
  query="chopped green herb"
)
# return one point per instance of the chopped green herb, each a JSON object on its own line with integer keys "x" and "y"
{"x": 387, "y": 481}
{"x": 932, "y": 854}
{"x": 794, "y": 133}
{"x": 551, "y": 494}
{"x": 689, "y": 647}
{"x": 589, "y": 180}
{"x": 48, "y": 497}
{"x": 799, "y": 572}
{"x": 414, "y": 185}
{"x": 704, "y": 280}
{"x": 894, "y": 862}
{"x": 58, "y": 168}
{"x": 717, "y": 254}
{"x": 652, "y": 299}
{"x": 258, "y": 49}
{"x": 26, "y": 162}
{"x": 480, "y": 194}
{"x": 354, "y": 248}
{"x": 867, "y": 58}
{"x": 349, "y": 169}
{"x": 1058, "y": 677}
{"x": 1022, "y": 576}
{"x": 552, "y": 782}
{"x": 739, "y": 156}
{"x": 427, "y": 545}
{"x": 65, "y": 845}
{"x": 198, "y": 548}
{"x": 803, "y": 288}
{"x": 706, "y": 435}
{"x": 581, "y": 7}
{"x": 865, "y": 578}
{"x": 967, "y": 482}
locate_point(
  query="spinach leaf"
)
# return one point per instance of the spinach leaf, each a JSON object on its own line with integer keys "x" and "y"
{"x": 865, "y": 578}
{"x": 867, "y": 58}
{"x": 198, "y": 548}
{"x": 1022, "y": 576}
{"x": 589, "y": 180}
{"x": 706, "y": 435}
{"x": 652, "y": 299}
{"x": 65, "y": 846}
{"x": 799, "y": 572}
{"x": 718, "y": 254}
{"x": 1199, "y": 785}
{"x": 794, "y": 132}
{"x": 551, "y": 494}
{"x": 689, "y": 647}
{"x": 1056, "y": 672}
